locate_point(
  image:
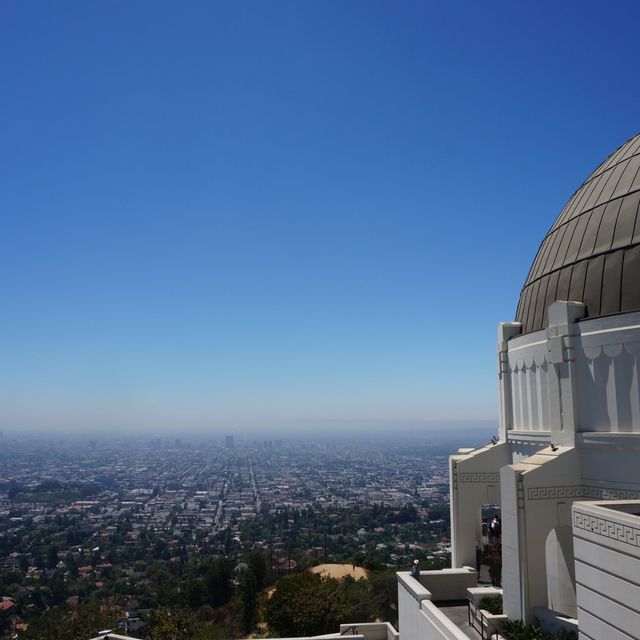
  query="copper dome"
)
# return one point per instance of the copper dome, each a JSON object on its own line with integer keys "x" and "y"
{"x": 592, "y": 252}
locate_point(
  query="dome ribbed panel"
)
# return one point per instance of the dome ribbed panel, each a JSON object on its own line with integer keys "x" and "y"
{"x": 590, "y": 254}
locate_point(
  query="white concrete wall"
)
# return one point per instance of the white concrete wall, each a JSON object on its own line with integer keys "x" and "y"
{"x": 449, "y": 584}
{"x": 474, "y": 481}
{"x": 553, "y": 623}
{"x": 561, "y": 580}
{"x": 436, "y": 626}
{"x": 610, "y": 468}
{"x": 608, "y": 358}
{"x": 371, "y": 630}
{"x": 513, "y": 542}
{"x": 410, "y": 595}
{"x": 607, "y": 552}
{"x": 418, "y": 617}
{"x": 529, "y": 373}
{"x": 536, "y": 500}
{"x": 605, "y": 357}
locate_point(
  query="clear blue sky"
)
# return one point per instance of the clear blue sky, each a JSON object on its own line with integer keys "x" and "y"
{"x": 255, "y": 213}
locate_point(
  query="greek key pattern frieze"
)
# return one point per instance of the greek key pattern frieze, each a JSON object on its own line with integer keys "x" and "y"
{"x": 601, "y": 493}
{"x": 613, "y": 530}
{"x": 581, "y": 491}
{"x": 554, "y": 493}
{"x": 479, "y": 477}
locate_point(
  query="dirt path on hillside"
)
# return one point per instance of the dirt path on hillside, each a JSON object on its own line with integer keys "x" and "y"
{"x": 339, "y": 571}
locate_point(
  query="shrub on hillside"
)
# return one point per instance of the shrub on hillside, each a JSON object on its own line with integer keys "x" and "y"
{"x": 307, "y": 604}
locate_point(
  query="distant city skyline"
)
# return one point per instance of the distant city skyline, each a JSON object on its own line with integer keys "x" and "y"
{"x": 294, "y": 430}
{"x": 231, "y": 216}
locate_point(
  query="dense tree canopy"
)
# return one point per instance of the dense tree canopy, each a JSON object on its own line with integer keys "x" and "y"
{"x": 307, "y": 604}
{"x": 65, "y": 623}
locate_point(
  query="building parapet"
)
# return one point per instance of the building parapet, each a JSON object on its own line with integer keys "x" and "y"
{"x": 371, "y": 630}
{"x": 418, "y": 616}
{"x": 606, "y": 538}
{"x": 115, "y": 636}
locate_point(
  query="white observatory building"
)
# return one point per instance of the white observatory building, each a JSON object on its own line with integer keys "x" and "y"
{"x": 566, "y": 469}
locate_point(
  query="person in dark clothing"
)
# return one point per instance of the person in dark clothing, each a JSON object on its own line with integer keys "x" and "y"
{"x": 495, "y": 565}
{"x": 496, "y": 528}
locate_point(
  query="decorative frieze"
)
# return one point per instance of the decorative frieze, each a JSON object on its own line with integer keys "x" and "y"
{"x": 605, "y": 493}
{"x": 479, "y": 477}
{"x": 600, "y": 391}
{"x": 582, "y": 491}
{"x": 607, "y": 528}
{"x": 554, "y": 493}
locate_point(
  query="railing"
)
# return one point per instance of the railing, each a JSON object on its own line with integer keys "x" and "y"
{"x": 485, "y": 623}
{"x": 352, "y": 628}
{"x": 489, "y": 622}
{"x": 371, "y": 630}
{"x": 333, "y": 636}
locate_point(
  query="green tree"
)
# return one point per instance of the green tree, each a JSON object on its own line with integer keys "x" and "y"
{"x": 307, "y": 604}
{"x": 178, "y": 624}
{"x": 258, "y": 564}
{"x": 354, "y": 598}
{"x": 194, "y": 593}
{"x": 64, "y": 623}
{"x": 58, "y": 587}
{"x": 218, "y": 575}
{"x": 384, "y": 596}
{"x": 249, "y": 599}
{"x": 52, "y": 557}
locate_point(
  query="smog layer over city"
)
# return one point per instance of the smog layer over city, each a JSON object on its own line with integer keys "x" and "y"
{"x": 152, "y": 521}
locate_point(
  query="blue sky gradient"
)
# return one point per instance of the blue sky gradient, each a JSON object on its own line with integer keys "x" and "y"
{"x": 238, "y": 215}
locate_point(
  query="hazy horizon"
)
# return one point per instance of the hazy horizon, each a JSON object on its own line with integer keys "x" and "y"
{"x": 314, "y": 430}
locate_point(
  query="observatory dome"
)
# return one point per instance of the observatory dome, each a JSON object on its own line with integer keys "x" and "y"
{"x": 592, "y": 252}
